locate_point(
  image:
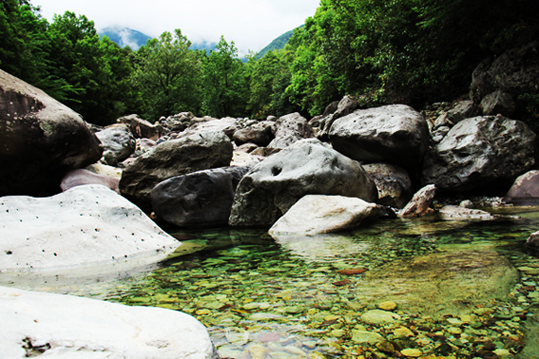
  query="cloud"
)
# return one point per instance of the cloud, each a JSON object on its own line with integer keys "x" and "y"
{"x": 251, "y": 24}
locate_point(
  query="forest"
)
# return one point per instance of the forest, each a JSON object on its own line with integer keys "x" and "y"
{"x": 380, "y": 51}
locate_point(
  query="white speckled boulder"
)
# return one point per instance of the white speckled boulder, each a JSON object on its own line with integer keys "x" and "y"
{"x": 85, "y": 225}
{"x": 70, "y": 327}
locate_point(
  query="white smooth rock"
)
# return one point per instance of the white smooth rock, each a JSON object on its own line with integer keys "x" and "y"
{"x": 82, "y": 328}
{"x": 85, "y": 225}
{"x": 316, "y": 214}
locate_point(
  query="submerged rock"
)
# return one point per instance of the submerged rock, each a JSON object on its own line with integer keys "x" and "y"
{"x": 62, "y": 326}
{"x": 439, "y": 284}
{"x": 85, "y": 225}
{"x": 314, "y": 214}
{"x": 457, "y": 213}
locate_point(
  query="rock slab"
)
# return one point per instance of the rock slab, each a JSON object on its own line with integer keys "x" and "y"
{"x": 62, "y": 326}
{"x": 86, "y": 225}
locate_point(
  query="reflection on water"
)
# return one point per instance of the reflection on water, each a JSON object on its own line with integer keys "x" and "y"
{"x": 298, "y": 297}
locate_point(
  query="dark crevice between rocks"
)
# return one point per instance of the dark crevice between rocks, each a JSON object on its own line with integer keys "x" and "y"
{"x": 34, "y": 350}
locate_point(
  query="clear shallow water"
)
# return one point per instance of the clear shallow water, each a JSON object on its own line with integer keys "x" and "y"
{"x": 305, "y": 296}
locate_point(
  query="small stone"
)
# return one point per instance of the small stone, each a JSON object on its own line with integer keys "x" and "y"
{"x": 379, "y": 317}
{"x": 258, "y": 351}
{"x": 411, "y": 353}
{"x": 385, "y": 346}
{"x": 363, "y": 336}
{"x": 389, "y": 305}
{"x": 454, "y": 330}
{"x": 295, "y": 350}
{"x": 503, "y": 353}
{"x": 203, "y": 312}
{"x": 403, "y": 332}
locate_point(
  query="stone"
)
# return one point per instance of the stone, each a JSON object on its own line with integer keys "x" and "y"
{"x": 411, "y": 353}
{"x": 533, "y": 240}
{"x": 378, "y": 317}
{"x": 101, "y": 169}
{"x": 315, "y": 214}
{"x": 61, "y": 326}
{"x": 86, "y": 225}
{"x": 396, "y": 134}
{"x": 141, "y": 128}
{"x": 420, "y": 203}
{"x": 462, "y": 110}
{"x": 307, "y": 167}
{"x": 40, "y": 140}
{"x": 202, "y": 198}
{"x": 290, "y": 129}
{"x": 482, "y": 154}
{"x": 345, "y": 106}
{"x": 173, "y": 158}
{"x": 453, "y": 282}
{"x": 457, "y": 213}
{"x": 260, "y": 134}
{"x": 363, "y": 336}
{"x": 392, "y": 182}
{"x": 525, "y": 189}
{"x": 119, "y": 140}
{"x": 498, "y": 102}
{"x": 82, "y": 177}
{"x": 514, "y": 72}
{"x": 389, "y": 305}
{"x": 403, "y": 332}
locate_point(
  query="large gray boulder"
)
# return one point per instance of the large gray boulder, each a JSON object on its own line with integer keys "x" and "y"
{"x": 40, "y": 140}
{"x": 62, "y": 326}
{"x": 307, "y": 167}
{"x": 202, "y": 198}
{"x": 395, "y": 134}
{"x": 481, "y": 153}
{"x": 173, "y": 158}
{"x": 525, "y": 189}
{"x": 142, "y": 128}
{"x": 345, "y": 106}
{"x": 86, "y": 225}
{"x": 259, "y": 133}
{"x": 118, "y": 143}
{"x": 290, "y": 129}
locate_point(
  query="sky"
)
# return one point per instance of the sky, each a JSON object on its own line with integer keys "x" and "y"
{"x": 251, "y": 24}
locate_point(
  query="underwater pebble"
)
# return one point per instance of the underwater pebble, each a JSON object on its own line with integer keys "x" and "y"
{"x": 403, "y": 332}
{"x": 379, "y": 317}
{"x": 390, "y": 305}
{"x": 412, "y": 353}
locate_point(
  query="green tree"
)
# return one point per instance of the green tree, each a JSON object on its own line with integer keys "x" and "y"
{"x": 168, "y": 76}
{"x": 225, "y": 82}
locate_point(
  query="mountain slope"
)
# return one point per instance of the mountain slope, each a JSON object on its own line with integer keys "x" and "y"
{"x": 124, "y": 36}
{"x": 277, "y": 44}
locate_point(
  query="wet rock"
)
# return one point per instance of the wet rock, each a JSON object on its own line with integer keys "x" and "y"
{"x": 379, "y": 317}
{"x": 118, "y": 140}
{"x": 141, "y": 128}
{"x": 458, "y": 213}
{"x": 533, "y": 240}
{"x": 439, "y": 284}
{"x": 173, "y": 158}
{"x": 82, "y": 177}
{"x": 314, "y": 214}
{"x": 395, "y": 134}
{"x": 202, "y": 198}
{"x": 363, "y": 336}
{"x": 525, "y": 189}
{"x": 64, "y": 326}
{"x": 82, "y": 226}
{"x": 290, "y": 129}
{"x": 308, "y": 167}
{"x": 40, "y": 140}
{"x": 481, "y": 153}
{"x": 420, "y": 203}
{"x": 392, "y": 182}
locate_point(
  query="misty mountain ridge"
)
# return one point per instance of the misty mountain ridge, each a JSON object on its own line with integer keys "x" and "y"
{"x": 124, "y": 36}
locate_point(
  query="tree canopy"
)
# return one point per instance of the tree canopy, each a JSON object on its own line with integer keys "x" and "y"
{"x": 381, "y": 51}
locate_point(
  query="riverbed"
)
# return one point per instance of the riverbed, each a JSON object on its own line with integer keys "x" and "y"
{"x": 396, "y": 288}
